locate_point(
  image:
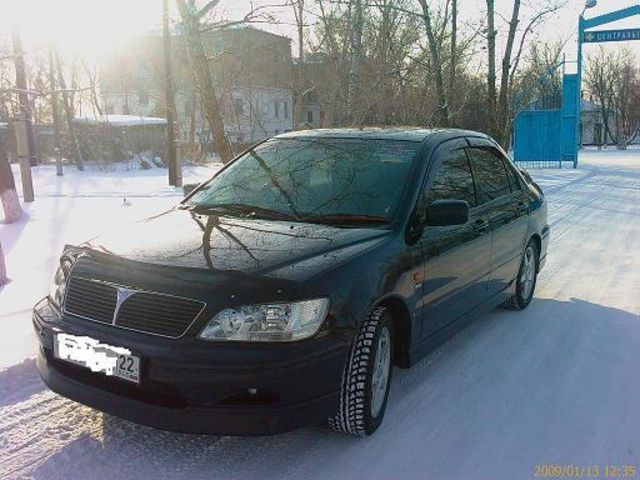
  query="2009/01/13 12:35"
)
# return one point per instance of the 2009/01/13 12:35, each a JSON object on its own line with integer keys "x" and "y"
{"x": 585, "y": 471}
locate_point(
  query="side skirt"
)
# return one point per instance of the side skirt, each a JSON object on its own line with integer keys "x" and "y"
{"x": 444, "y": 334}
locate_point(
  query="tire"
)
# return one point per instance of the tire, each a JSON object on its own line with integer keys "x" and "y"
{"x": 362, "y": 404}
{"x": 526, "y": 279}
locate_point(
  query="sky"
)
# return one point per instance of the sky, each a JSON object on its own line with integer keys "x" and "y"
{"x": 91, "y": 27}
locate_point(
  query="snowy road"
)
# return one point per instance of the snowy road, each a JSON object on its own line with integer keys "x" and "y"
{"x": 556, "y": 384}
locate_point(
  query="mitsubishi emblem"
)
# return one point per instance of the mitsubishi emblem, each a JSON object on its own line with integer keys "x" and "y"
{"x": 123, "y": 294}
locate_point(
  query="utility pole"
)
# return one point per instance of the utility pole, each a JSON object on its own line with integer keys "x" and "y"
{"x": 23, "y": 95}
{"x": 175, "y": 177}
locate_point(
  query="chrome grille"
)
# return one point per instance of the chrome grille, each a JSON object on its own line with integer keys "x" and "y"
{"x": 143, "y": 311}
{"x": 93, "y": 300}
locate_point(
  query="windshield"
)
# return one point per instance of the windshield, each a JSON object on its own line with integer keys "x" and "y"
{"x": 315, "y": 179}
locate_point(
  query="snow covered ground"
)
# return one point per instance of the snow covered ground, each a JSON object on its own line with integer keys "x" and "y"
{"x": 555, "y": 384}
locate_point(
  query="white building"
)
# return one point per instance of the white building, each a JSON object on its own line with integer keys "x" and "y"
{"x": 256, "y": 112}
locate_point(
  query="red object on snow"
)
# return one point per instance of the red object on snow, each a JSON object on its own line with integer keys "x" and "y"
{"x": 3, "y": 268}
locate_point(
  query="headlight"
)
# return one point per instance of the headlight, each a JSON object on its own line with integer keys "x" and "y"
{"x": 58, "y": 285}
{"x": 269, "y": 322}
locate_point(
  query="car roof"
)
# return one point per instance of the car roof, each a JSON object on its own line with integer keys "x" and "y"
{"x": 414, "y": 134}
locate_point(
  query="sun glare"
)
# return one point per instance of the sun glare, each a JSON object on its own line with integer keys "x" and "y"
{"x": 86, "y": 27}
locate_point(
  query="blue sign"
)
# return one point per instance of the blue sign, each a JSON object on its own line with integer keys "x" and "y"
{"x": 612, "y": 35}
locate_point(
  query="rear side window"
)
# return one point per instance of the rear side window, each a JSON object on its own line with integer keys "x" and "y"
{"x": 490, "y": 173}
{"x": 513, "y": 180}
{"x": 453, "y": 179}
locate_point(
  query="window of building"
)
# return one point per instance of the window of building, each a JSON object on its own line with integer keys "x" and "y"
{"x": 276, "y": 108}
{"x": 286, "y": 109}
{"x": 310, "y": 116}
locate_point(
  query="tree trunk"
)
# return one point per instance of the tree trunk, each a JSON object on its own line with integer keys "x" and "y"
{"x": 23, "y": 95}
{"x": 169, "y": 99}
{"x": 454, "y": 44}
{"x": 298, "y": 114}
{"x": 503, "y": 101}
{"x": 356, "y": 54}
{"x": 191, "y": 139}
{"x": 436, "y": 63}
{"x": 55, "y": 113}
{"x": 8, "y": 194}
{"x": 202, "y": 75}
{"x": 69, "y": 115}
{"x": 491, "y": 61}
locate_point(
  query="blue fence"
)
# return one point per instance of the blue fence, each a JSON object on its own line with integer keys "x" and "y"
{"x": 546, "y": 138}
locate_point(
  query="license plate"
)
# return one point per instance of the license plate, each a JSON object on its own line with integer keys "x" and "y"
{"x": 98, "y": 357}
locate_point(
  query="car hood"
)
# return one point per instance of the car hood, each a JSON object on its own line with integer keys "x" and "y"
{"x": 181, "y": 238}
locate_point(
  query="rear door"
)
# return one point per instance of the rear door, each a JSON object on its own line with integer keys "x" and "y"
{"x": 507, "y": 209}
{"x": 457, "y": 258}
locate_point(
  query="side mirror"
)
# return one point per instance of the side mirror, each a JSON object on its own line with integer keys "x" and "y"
{"x": 442, "y": 213}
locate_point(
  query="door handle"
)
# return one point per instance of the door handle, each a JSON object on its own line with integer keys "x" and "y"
{"x": 481, "y": 225}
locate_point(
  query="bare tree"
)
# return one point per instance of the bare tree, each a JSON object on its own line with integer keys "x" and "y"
{"x": 191, "y": 18}
{"x": 357, "y": 18}
{"x": 69, "y": 111}
{"x": 436, "y": 64}
{"x": 298, "y": 11}
{"x": 499, "y": 101}
{"x": 169, "y": 99}
{"x": 23, "y": 94}
{"x": 612, "y": 77}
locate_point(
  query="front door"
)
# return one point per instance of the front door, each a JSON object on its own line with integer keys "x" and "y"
{"x": 456, "y": 257}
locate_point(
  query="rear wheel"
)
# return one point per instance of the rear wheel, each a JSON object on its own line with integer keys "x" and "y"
{"x": 366, "y": 378}
{"x": 526, "y": 280}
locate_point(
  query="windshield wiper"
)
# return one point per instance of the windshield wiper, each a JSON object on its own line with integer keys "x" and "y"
{"x": 244, "y": 210}
{"x": 345, "y": 218}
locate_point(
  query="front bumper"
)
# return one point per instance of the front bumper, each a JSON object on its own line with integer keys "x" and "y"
{"x": 192, "y": 386}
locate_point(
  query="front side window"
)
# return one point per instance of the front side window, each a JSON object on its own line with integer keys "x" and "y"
{"x": 453, "y": 179}
{"x": 313, "y": 178}
{"x": 490, "y": 173}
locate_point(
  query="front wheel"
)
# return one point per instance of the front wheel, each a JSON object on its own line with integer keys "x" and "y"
{"x": 526, "y": 280}
{"x": 366, "y": 377}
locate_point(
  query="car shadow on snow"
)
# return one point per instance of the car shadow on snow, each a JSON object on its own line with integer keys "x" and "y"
{"x": 506, "y": 373}
{"x": 19, "y": 382}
